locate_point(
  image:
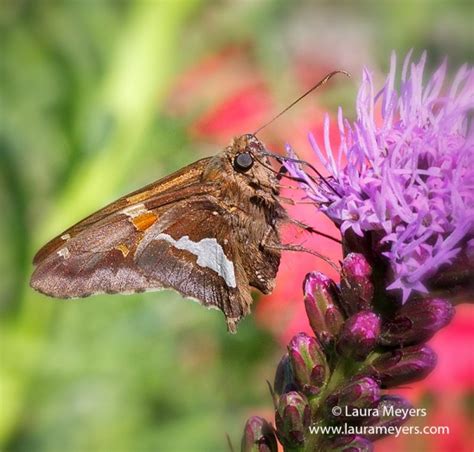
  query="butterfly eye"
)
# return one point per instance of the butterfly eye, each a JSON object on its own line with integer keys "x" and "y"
{"x": 243, "y": 162}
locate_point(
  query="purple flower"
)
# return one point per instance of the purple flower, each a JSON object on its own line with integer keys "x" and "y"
{"x": 401, "y": 191}
{"x": 407, "y": 176}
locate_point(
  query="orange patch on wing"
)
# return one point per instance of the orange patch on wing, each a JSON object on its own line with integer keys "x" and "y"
{"x": 144, "y": 221}
{"x": 123, "y": 249}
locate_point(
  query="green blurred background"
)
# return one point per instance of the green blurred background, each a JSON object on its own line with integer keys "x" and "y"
{"x": 101, "y": 97}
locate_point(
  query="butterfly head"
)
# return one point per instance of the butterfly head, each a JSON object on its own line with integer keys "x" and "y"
{"x": 248, "y": 158}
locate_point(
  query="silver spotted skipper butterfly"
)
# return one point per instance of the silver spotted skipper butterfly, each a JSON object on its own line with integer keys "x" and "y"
{"x": 209, "y": 231}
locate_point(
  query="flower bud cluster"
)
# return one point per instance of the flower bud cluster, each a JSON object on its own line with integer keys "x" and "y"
{"x": 398, "y": 190}
{"x": 338, "y": 375}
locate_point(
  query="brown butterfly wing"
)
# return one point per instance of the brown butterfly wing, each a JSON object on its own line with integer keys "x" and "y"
{"x": 99, "y": 259}
{"x": 189, "y": 249}
{"x": 116, "y": 250}
{"x": 170, "y": 189}
{"x": 194, "y": 250}
{"x": 97, "y": 254}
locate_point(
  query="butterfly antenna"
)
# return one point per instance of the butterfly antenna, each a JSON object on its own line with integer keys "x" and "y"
{"x": 320, "y": 83}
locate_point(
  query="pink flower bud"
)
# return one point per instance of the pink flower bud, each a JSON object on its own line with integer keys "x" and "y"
{"x": 355, "y": 400}
{"x": 356, "y": 286}
{"x": 292, "y": 418}
{"x": 359, "y": 335}
{"x": 417, "y": 321}
{"x": 322, "y": 306}
{"x": 258, "y": 436}
{"x": 310, "y": 368}
{"x": 393, "y": 411}
{"x": 404, "y": 365}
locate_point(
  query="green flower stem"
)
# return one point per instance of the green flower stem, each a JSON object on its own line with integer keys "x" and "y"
{"x": 344, "y": 369}
{"x": 133, "y": 87}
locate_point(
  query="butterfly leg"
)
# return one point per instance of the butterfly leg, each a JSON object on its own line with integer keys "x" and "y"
{"x": 311, "y": 230}
{"x": 293, "y": 247}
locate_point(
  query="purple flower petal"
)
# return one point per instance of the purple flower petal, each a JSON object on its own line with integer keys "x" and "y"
{"x": 409, "y": 175}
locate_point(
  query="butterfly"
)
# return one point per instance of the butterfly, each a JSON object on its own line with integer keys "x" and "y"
{"x": 210, "y": 231}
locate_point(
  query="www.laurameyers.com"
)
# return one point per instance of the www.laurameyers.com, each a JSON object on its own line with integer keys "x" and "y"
{"x": 383, "y": 412}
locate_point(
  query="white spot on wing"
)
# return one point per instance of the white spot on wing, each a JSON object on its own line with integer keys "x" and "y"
{"x": 209, "y": 254}
{"x": 64, "y": 252}
{"x": 135, "y": 211}
{"x": 66, "y": 236}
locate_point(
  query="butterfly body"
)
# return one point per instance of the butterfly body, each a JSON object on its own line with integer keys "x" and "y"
{"x": 209, "y": 231}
